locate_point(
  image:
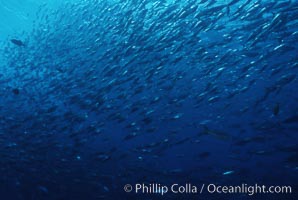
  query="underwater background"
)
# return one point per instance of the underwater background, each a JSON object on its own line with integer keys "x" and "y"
{"x": 97, "y": 94}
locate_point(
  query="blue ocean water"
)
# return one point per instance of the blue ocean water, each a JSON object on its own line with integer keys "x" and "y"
{"x": 160, "y": 95}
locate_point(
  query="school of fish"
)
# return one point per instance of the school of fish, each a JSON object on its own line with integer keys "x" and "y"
{"x": 104, "y": 93}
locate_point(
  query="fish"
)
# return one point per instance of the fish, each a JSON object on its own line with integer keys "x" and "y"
{"x": 43, "y": 189}
{"x": 276, "y": 109}
{"x": 16, "y": 91}
{"x": 17, "y": 42}
{"x": 292, "y": 159}
{"x": 233, "y": 2}
{"x": 228, "y": 172}
{"x": 291, "y": 120}
{"x": 147, "y": 89}
{"x": 204, "y": 155}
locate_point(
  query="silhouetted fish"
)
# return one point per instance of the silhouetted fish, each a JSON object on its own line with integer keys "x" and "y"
{"x": 290, "y": 120}
{"x": 17, "y": 42}
{"x": 16, "y": 91}
{"x": 276, "y": 109}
